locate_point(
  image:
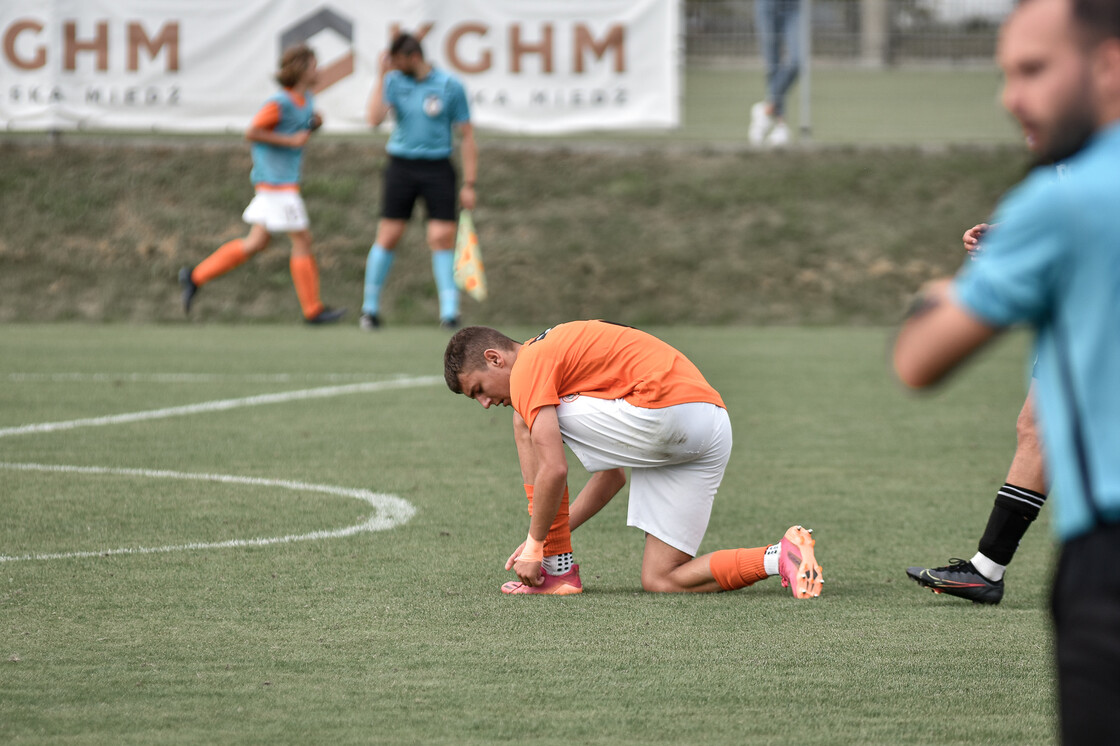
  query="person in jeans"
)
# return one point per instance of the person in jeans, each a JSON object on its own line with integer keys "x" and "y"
{"x": 779, "y": 30}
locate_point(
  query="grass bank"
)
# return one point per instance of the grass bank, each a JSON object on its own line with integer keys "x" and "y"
{"x": 96, "y": 230}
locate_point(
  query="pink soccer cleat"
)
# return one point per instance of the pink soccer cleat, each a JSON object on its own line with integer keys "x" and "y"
{"x": 797, "y": 565}
{"x": 553, "y": 585}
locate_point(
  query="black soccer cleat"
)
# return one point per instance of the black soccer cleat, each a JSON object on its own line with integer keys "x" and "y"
{"x": 450, "y": 324}
{"x": 369, "y": 322}
{"x": 327, "y": 316}
{"x": 188, "y": 286}
{"x": 959, "y": 578}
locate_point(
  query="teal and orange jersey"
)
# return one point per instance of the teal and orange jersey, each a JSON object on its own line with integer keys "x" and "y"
{"x": 274, "y": 166}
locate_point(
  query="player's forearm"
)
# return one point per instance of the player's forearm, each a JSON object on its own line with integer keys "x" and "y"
{"x": 270, "y": 137}
{"x": 598, "y": 491}
{"x": 377, "y": 109}
{"x": 937, "y": 336}
{"x": 469, "y": 150}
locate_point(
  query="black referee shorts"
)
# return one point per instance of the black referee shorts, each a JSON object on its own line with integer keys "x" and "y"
{"x": 407, "y": 179}
{"x": 1086, "y": 608}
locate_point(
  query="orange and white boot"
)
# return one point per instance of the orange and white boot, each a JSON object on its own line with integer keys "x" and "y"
{"x": 797, "y": 564}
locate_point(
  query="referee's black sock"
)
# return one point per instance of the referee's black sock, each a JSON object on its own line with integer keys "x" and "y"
{"x": 1014, "y": 511}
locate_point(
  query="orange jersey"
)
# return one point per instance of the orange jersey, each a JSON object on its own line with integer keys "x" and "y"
{"x": 604, "y": 361}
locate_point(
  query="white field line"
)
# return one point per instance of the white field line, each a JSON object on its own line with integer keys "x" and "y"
{"x": 221, "y": 405}
{"x": 388, "y": 511}
{"x": 182, "y": 377}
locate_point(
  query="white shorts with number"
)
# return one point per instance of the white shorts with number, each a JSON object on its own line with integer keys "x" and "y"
{"x": 278, "y": 211}
{"x": 677, "y": 456}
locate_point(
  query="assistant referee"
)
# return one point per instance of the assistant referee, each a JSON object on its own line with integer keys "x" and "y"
{"x": 429, "y": 104}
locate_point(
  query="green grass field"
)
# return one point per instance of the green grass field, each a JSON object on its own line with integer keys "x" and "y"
{"x": 400, "y": 636}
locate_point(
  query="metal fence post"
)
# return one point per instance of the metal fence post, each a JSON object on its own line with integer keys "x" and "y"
{"x": 805, "y": 87}
{"x": 874, "y": 38}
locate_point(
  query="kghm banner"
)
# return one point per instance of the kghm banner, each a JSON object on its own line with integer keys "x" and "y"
{"x": 530, "y": 66}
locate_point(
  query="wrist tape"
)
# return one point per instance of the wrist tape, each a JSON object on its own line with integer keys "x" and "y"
{"x": 533, "y": 551}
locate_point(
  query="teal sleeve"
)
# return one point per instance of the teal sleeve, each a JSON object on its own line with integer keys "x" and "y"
{"x": 1020, "y": 264}
{"x": 460, "y": 109}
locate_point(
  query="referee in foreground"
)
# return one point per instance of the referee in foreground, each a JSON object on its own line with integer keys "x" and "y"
{"x": 1051, "y": 261}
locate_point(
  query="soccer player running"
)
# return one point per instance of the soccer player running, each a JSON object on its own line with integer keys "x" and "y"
{"x": 1052, "y": 261}
{"x": 619, "y": 398}
{"x": 278, "y": 134}
{"x": 429, "y": 105}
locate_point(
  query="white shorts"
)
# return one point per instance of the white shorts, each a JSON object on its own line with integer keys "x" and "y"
{"x": 677, "y": 456}
{"x": 278, "y": 211}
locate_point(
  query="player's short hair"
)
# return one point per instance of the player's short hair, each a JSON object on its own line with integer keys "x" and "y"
{"x": 1097, "y": 19}
{"x": 465, "y": 352}
{"x": 406, "y": 44}
{"x": 293, "y": 64}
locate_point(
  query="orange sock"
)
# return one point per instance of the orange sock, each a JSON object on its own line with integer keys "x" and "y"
{"x": 228, "y": 256}
{"x": 738, "y": 568}
{"x": 559, "y": 539}
{"x": 305, "y": 276}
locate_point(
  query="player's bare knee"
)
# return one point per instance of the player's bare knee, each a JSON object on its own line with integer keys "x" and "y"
{"x": 389, "y": 233}
{"x": 441, "y": 236}
{"x": 301, "y": 244}
{"x": 653, "y": 582}
{"x": 255, "y": 244}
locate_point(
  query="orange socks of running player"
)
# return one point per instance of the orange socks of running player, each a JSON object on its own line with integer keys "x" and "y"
{"x": 229, "y": 256}
{"x": 738, "y": 568}
{"x": 558, "y": 543}
{"x": 305, "y": 276}
{"x": 305, "y": 273}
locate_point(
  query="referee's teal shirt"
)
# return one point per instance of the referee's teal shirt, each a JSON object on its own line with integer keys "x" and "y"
{"x": 1052, "y": 259}
{"x": 426, "y": 109}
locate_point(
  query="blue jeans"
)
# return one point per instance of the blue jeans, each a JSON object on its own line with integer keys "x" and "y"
{"x": 779, "y": 26}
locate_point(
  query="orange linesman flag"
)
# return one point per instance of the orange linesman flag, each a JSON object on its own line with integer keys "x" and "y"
{"x": 469, "y": 272}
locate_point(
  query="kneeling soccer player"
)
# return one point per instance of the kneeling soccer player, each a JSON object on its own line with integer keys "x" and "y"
{"x": 619, "y": 398}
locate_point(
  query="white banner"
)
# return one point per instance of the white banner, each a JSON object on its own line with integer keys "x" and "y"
{"x": 531, "y": 66}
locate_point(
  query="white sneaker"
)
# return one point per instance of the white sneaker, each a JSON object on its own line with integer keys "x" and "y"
{"x": 761, "y": 122}
{"x": 779, "y": 136}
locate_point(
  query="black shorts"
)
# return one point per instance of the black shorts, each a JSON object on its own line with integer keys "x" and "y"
{"x": 1086, "y": 608}
{"x": 409, "y": 178}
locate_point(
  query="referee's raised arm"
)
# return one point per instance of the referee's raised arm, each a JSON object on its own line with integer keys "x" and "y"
{"x": 378, "y": 108}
